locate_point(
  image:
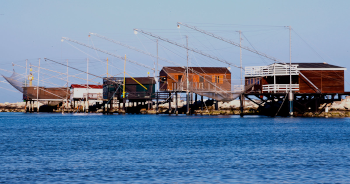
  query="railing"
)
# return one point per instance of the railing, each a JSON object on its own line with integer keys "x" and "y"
{"x": 182, "y": 86}
{"x": 238, "y": 88}
{"x": 94, "y": 96}
{"x": 270, "y": 70}
{"x": 178, "y": 86}
{"x": 139, "y": 95}
{"x": 281, "y": 88}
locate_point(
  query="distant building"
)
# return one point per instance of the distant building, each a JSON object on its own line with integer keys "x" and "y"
{"x": 113, "y": 88}
{"x": 82, "y": 91}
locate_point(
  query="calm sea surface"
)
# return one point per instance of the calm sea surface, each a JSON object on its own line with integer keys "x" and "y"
{"x": 96, "y": 148}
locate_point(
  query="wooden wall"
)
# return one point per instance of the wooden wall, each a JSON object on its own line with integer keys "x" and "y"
{"x": 331, "y": 81}
{"x": 46, "y": 93}
{"x": 194, "y": 80}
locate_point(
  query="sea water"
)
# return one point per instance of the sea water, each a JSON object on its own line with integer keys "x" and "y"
{"x": 96, "y": 148}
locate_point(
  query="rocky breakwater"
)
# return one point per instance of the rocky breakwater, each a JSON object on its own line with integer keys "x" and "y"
{"x": 12, "y": 107}
{"x": 336, "y": 109}
{"x": 224, "y": 108}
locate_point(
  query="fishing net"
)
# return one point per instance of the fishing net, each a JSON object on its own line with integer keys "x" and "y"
{"x": 16, "y": 80}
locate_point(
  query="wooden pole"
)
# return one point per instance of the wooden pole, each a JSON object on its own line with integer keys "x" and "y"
{"x": 157, "y": 96}
{"x": 176, "y": 111}
{"x": 290, "y": 74}
{"x": 37, "y": 90}
{"x": 202, "y": 102}
{"x": 241, "y": 104}
{"x": 187, "y": 90}
{"x": 87, "y": 84}
{"x": 124, "y": 78}
{"x": 195, "y": 101}
{"x": 169, "y": 102}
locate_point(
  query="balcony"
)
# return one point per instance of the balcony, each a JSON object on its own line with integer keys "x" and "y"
{"x": 271, "y": 70}
{"x": 279, "y": 88}
{"x": 93, "y": 96}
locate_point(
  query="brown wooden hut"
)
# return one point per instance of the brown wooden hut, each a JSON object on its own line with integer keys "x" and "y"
{"x": 134, "y": 91}
{"x": 306, "y": 78}
{"x": 50, "y": 94}
{"x": 200, "y": 79}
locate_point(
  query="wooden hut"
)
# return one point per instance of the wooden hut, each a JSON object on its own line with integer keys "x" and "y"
{"x": 199, "y": 78}
{"x": 44, "y": 93}
{"x": 112, "y": 87}
{"x": 306, "y": 78}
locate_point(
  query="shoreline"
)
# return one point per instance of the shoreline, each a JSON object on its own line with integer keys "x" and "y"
{"x": 337, "y": 109}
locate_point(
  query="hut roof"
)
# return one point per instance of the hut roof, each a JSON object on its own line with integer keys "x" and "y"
{"x": 84, "y": 86}
{"x": 318, "y": 66}
{"x": 142, "y": 80}
{"x": 171, "y": 69}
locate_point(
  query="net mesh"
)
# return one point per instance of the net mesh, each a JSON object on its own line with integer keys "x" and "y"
{"x": 16, "y": 80}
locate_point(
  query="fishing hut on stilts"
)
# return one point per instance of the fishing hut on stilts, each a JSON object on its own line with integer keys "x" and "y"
{"x": 312, "y": 88}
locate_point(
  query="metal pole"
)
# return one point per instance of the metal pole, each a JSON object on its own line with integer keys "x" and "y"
{"x": 157, "y": 60}
{"x": 87, "y": 84}
{"x": 107, "y": 67}
{"x": 187, "y": 95}
{"x": 157, "y": 96}
{"x": 124, "y": 78}
{"x": 242, "y": 105}
{"x": 274, "y": 77}
{"x": 25, "y": 78}
{"x": 67, "y": 85}
{"x": 240, "y": 52}
{"x": 37, "y": 90}
{"x": 290, "y": 73}
{"x": 157, "y": 73}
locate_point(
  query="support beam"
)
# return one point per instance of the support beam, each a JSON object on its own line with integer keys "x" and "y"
{"x": 195, "y": 101}
{"x": 157, "y": 97}
{"x": 241, "y": 104}
{"x": 169, "y": 102}
{"x": 291, "y": 99}
{"x": 124, "y": 108}
{"x": 187, "y": 103}
{"x": 202, "y": 102}
{"x": 253, "y": 101}
{"x": 176, "y": 111}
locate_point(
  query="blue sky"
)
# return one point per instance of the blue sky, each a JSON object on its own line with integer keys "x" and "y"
{"x": 33, "y": 29}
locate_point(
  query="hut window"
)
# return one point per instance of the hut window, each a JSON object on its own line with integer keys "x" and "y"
{"x": 178, "y": 77}
{"x": 196, "y": 78}
{"x": 201, "y": 79}
{"x": 218, "y": 79}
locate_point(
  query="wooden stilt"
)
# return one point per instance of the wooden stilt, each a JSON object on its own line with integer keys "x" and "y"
{"x": 124, "y": 108}
{"x": 157, "y": 95}
{"x": 188, "y": 103}
{"x": 195, "y": 101}
{"x": 169, "y": 103}
{"x": 176, "y": 111}
{"x": 202, "y": 103}
{"x": 241, "y": 105}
